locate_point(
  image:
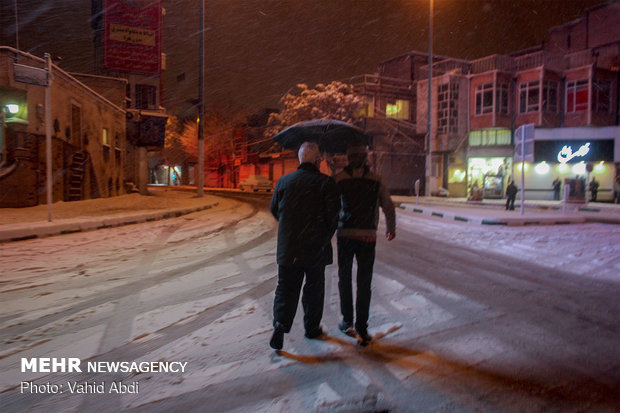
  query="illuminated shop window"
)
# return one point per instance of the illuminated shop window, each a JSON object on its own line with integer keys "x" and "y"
{"x": 456, "y": 176}
{"x": 478, "y": 168}
{"x": 577, "y": 95}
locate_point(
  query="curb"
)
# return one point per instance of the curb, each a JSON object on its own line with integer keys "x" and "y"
{"x": 512, "y": 221}
{"x": 26, "y": 231}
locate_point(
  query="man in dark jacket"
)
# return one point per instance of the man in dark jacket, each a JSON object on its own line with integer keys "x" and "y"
{"x": 306, "y": 205}
{"x": 362, "y": 192}
{"x": 511, "y": 193}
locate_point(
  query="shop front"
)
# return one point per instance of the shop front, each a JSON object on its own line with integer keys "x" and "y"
{"x": 575, "y": 162}
{"x": 489, "y": 174}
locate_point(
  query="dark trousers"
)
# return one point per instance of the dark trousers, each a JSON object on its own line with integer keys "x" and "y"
{"x": 290, "y": 280}
{"x": 364, "y": 252}
{"x": 510, "y": 203}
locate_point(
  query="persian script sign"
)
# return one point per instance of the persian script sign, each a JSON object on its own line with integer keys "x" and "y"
{"x": 132, "y": 36}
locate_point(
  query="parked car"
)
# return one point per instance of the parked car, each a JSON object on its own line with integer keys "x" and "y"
{"x": 255, "y": 183}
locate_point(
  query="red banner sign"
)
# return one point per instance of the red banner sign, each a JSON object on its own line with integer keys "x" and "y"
{"x": 132, "y": 36}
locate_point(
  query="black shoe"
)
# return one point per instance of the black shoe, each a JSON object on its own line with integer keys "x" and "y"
{"x": 363, "y": 338}
{"x": 314, "y": 334}
{"x": 277, "y": 338}
{"x": 345, "y": 327}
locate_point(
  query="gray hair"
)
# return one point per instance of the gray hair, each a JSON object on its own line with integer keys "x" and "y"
{"x": 309, "y": 152}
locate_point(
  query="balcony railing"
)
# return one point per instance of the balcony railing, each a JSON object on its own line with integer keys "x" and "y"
{"x": 579, "y": 59}
{"x": 376, "y": 82}
{"x": 493, "y": 62}
{"x": 443, "y": 67}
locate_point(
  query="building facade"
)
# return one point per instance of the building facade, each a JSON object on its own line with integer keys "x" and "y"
{"x": 567, "y": 88}
{"x": 89, "y": 148}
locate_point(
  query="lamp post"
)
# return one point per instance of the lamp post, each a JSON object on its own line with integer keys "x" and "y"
{"x": 427, "y": 186}
{"x": 201, "y": 108}
{"x": 16, "y": 26}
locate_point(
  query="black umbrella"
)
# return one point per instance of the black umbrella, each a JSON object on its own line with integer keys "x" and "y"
{"x": 333, "y": 136}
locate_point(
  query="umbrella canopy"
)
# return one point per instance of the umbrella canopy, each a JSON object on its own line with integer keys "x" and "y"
{"x": 333, "y": 136}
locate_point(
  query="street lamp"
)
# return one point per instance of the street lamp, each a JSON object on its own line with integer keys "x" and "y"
{"x": 201, "y": 107}
{"x": 427, "y": 186}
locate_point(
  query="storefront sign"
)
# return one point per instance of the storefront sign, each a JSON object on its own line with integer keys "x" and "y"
{"x": 570, "y": 152}
{"x": 566, "y": 154}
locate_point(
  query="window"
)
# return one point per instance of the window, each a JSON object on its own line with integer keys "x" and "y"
{"x": 484, "y": 98}
{"x": 145, "y": 97}
{"x": 529, "y": 96}
{"x": 369, "y": 107}
{"x": 501, "y": 98}
{"x": 577, "y": 95}
{"x": 601, "y": 89}
{"x": 398, "y": 110}
{"x": 550, "y": 96}
{"x": 489, "y": 137}
{"x": 447, "y": 114}
{"x": 105, "y": 137}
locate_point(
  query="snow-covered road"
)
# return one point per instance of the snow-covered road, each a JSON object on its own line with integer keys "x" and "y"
{"x": 467, "y": 318}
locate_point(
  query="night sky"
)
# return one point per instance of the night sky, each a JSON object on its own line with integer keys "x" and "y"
{"x": 256, "y": 50}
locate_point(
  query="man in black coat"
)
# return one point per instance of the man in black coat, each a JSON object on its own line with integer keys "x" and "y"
{"x": 306, "y": 205}
{"x": 362, "y": 193}
{"x": 511, "y": 194}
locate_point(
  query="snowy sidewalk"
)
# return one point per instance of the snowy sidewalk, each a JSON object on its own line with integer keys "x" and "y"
{"x": 492, "y": 212}
{"x": 67, "y": 217}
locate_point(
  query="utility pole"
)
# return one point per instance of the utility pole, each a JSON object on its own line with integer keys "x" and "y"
{"x": 16, "y": 26}
{"x": 201, "y": 107}
{"x": 427, "y": 186}
{"x": 48, "y": 136}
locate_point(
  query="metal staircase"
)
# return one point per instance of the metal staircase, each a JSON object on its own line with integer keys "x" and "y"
{"x": 77, "y": 169}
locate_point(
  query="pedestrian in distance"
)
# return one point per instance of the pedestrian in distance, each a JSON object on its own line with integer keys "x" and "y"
{"x": 593, "y": 189}
{"x": 511, "y": 193}
{"x": 306, "y": 205}
{"x": 361, "y": 193}
{"x": 617, "y": 191}
{"x": 556, "y": 184}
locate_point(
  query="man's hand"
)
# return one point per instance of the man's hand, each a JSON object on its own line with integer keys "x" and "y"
{"x": 390, "y": 235}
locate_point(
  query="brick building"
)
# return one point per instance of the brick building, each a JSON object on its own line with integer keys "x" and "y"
{"x": 90, "y": 152}
{"x": 567, "y": 87}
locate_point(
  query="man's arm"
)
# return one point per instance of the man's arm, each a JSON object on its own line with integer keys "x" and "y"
{"x": 275, "y": 200}
{"x": 332, "y": 205}
{"x": 388, "y": 210}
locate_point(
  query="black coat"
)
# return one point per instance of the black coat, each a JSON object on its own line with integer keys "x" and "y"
{"x": 306, "y": 204}
{"x": 511, "y": 191}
